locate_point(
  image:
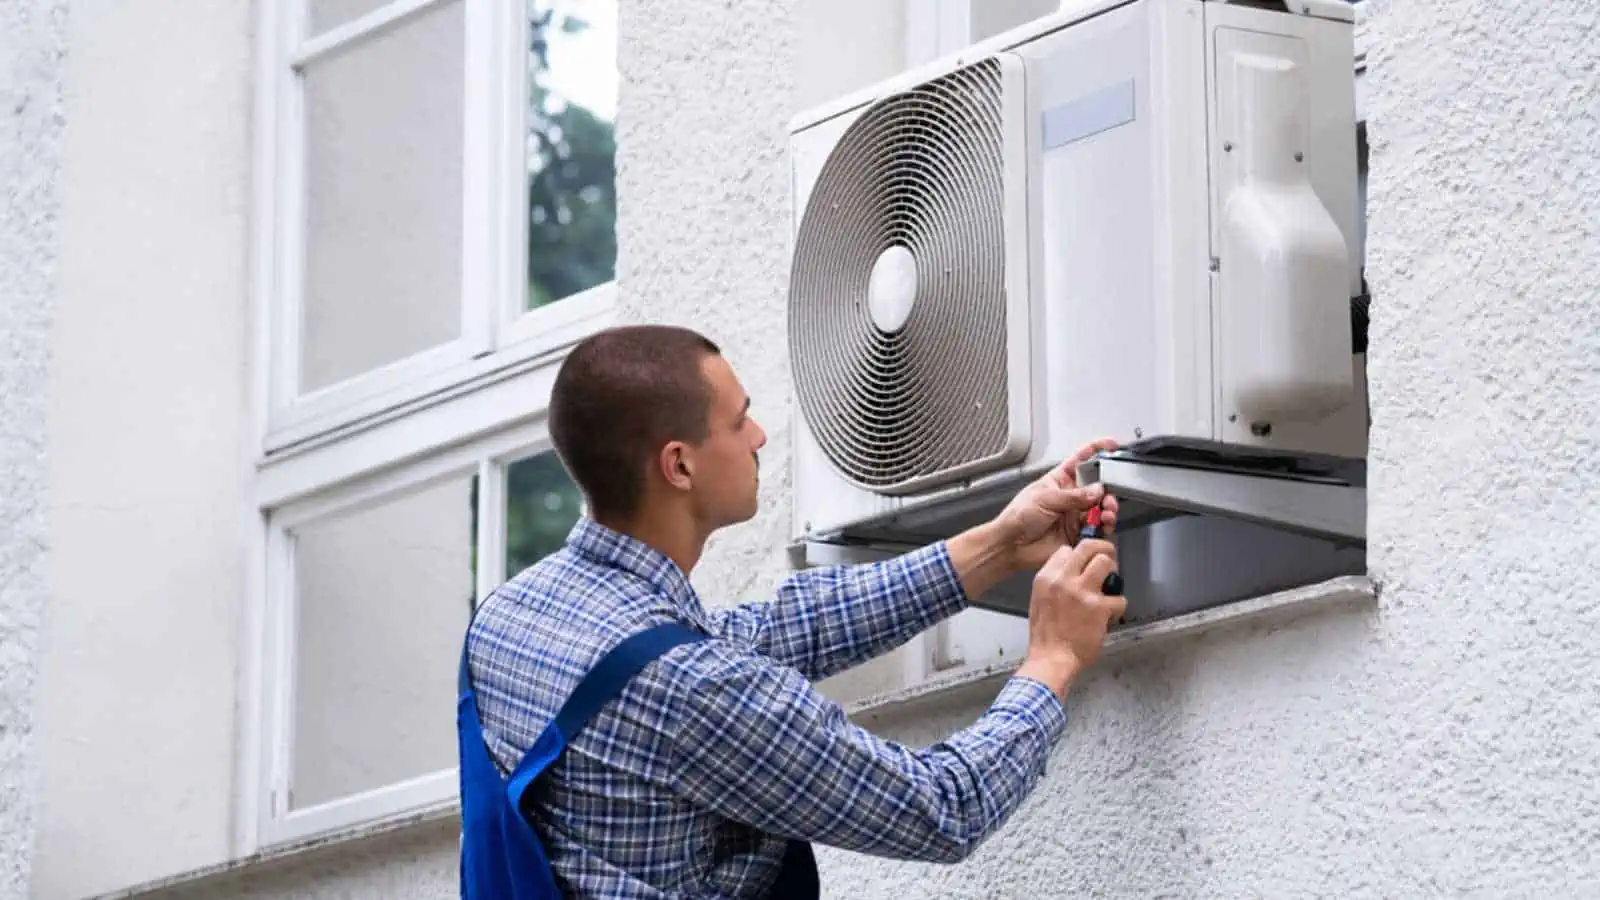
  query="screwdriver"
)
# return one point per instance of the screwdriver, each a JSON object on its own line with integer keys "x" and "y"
{"x": 1091, "y": 529}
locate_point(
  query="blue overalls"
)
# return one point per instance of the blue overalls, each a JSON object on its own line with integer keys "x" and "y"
{"x": 501, "y": 856}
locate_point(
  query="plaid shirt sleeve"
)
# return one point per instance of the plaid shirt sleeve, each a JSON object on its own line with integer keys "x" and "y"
{"x": 827, "y": 619}
{"x": 754, "y": 742}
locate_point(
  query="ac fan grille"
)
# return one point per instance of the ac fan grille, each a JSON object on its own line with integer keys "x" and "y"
{"x": 921, "y": 170}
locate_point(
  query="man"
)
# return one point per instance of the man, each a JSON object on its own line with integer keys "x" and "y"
{"x": 716, "y": 764}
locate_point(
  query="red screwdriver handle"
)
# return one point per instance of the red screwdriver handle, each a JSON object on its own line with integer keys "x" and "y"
{"x": 1091, "y": 529}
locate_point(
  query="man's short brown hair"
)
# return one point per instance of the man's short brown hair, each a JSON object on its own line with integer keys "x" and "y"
{"x": 619, "y": 396}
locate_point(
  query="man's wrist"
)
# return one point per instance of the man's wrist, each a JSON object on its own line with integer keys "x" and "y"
{"x": 983, "y": 556}
{"x": 1055, "y": 672}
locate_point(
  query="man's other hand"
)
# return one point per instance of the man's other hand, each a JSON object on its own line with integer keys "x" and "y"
{"x": 1047, "y": 514}
{"x": 1068, "y": 615}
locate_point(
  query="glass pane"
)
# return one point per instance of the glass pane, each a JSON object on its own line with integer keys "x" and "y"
{"x": 542, "y": 505}
{"x": 383, "y": 198}
{"x": 326, "y": 14}
{"x": 991, "y": 17}
{"x": 383, "y": 597}
{"x": 572, "y": 108}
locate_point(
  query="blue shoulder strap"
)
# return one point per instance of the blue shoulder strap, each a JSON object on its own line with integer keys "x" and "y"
{"x": 615, "y": 670}
{"x": 500, "y": 854}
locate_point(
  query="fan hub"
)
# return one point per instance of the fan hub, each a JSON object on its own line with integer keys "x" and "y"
{"x": 892, "y": 289}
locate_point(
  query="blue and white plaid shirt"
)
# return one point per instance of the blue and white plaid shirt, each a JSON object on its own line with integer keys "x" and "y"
{"x": 690, "y": 782}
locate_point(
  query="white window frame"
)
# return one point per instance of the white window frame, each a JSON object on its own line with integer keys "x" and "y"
{"x": 425, "y": 794}
{"x": 496, "y": 332}
{"x": 475, "y": 405}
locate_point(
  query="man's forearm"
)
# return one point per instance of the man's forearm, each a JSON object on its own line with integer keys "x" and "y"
{"x": 981, "y": 559}
{"x": 758, "y": 745}
{"x": 827, "y": 619}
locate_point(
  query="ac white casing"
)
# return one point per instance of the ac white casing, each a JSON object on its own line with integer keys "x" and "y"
{"x": 1180, "y": 243}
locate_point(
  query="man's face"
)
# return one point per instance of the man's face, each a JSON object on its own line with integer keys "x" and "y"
{"x": 726, "y": 467}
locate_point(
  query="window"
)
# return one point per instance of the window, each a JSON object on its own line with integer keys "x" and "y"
{"x": 438, "y": 200}
{"x": 937, "y": 27}
{"x": 436, "y": 225}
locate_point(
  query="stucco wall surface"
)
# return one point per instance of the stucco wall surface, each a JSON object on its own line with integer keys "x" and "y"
{"x": 148, "y": 467}
{"x": 32, "y": 54}
{"x": 1439, "y": 744}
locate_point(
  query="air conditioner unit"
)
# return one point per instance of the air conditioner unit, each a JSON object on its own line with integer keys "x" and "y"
{"x": 1134, "y": 218}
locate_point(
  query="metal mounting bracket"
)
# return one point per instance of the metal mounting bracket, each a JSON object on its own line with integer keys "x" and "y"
{"x": 1150, "y": 490}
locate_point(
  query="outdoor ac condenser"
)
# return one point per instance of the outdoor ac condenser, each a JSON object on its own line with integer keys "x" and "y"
{"x": 1134, "y": 218}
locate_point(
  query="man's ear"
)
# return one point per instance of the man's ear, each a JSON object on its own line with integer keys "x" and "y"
{"x": 677, "y": 466}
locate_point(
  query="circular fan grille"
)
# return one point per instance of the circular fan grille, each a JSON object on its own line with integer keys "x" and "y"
{"x": 897, "y": 308}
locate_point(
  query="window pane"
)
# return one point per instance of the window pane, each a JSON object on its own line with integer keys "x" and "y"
{"x": 326, "y": 14}
{"x": 991, "y": 17}
{"x": 382, "y": 598}
{"x": 572, "y": 101}
{"x": 542, "y": 505}
{"x": 383, "y": 197}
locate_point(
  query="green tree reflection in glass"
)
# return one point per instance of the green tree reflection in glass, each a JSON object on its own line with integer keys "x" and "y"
{"x": 571, "y": 150}
{"x": 542, "y": 505}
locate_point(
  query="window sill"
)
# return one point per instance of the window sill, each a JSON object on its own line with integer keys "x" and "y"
{"x": 1268, "y": 609}
{"x": 285, "y": 853}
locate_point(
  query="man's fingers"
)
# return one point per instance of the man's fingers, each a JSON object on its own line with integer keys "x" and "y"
{"x": 1061, "y": 501}
{"x": 1068, "y": 560}
{"x": 1087, "y": 553}
{"x": 1059, "y": 566}
{"x": 1067, "y": 472}
{"x": 1116, "y": 607}
{"x": 1093, "y": 447}
{"x": 1094, "y": 574}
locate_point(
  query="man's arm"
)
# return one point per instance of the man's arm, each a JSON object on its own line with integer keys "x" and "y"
{"x": 827, "y": 619}
{"x": 754, "y": 742}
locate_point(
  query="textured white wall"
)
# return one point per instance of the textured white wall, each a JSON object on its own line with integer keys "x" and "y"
{"x": 1442, "y": 744}
{"x": 32, "y": 46}
{"x": 148, "y": 394}
{"x": 1437, "y": 745}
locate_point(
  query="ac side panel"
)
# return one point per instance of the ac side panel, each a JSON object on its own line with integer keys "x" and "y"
{"x": 1021, "y": 263}
{"x": 1181, "y": 185}
{"x": 1096, "y": 141}
{"x": 1286, "y": 231}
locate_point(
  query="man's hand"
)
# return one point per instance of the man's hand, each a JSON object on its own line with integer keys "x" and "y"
{"x": 1068, "y": 615}
{"x": 1044, "y": 517}
{"x": 1047, "y": 514}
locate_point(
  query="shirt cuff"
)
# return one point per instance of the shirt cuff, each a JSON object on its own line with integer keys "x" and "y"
{"x": 932, "y": 574}
{"x": 1030, "y": 700}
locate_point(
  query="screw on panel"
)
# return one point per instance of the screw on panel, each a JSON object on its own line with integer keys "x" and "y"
{"x": 1261, "y": 429}
{"x": 1227, "y": 146}
{"x": 1299, "y": 157}
{"x": 1216, "y": 264}
{"x": 1233, "y": 417}
{"x": 1138, "y": 432}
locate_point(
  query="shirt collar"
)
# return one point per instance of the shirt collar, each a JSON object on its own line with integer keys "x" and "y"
{"x": 607, "y": 547}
